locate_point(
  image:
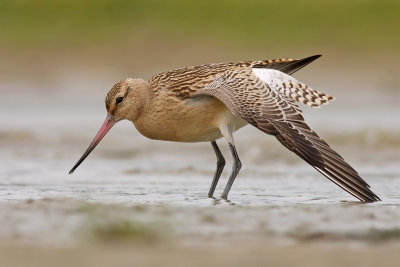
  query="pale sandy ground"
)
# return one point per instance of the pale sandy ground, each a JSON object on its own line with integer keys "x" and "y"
{"x": 131, "y": 254}
{"x": 138, "y": 202}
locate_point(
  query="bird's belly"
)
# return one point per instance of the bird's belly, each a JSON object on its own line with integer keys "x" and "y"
{"x": 191, "y": 120}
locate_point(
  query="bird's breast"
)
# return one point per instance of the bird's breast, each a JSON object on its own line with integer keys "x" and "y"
{"x": 196, "y": 119}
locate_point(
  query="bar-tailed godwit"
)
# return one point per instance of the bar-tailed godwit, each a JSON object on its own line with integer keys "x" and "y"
{"x": 204, "y": 103}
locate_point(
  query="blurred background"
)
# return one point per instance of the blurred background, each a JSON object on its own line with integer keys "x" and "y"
{"x": 48, "y": 39}
{"x": 58, "y": 59}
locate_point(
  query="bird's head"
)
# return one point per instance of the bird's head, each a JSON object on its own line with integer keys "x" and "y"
{"x": 125, "y": 101}
{"x": 126, "y": 98}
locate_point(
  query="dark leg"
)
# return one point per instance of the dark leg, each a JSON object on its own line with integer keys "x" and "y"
{"x": 235, "y": 170}
{"x": 218, "y": 171}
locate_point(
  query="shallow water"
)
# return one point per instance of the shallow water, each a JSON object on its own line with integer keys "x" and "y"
{"x": 163, "y": 185}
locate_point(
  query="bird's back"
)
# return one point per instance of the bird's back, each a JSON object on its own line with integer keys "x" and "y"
{"x": 185, "y": 82}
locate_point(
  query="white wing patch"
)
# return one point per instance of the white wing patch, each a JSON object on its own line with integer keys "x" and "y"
{"x": 291, "y": 88}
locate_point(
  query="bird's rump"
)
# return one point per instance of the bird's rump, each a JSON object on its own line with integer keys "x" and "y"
{"x": 264, "y": 103}
{"x": 291, "y": 88}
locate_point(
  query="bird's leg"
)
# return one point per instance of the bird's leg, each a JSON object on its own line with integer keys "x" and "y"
{"x": 218, "y": 171}
{"x": 235, "y": 170}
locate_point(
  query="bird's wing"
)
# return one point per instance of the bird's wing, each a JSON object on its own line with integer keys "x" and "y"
{"x": 285, "y": 65}
{"x": 267, "y": 101}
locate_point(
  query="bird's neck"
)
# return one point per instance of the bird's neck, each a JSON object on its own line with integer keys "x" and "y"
{"x": 141, "y": 103}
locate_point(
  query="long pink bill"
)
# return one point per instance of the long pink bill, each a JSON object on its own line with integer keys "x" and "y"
{"x": 107, "y": 125}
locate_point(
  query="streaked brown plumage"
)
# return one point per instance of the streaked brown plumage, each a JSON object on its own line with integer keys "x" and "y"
{"x": 204, "y": 103}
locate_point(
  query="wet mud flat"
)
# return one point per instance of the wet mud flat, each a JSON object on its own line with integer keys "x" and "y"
{"x": 164, "y": 228}
{"x": 121, "y": 209}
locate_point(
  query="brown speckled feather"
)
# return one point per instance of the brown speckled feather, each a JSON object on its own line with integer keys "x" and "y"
{"x": 185, "y": 82}
{"x": 253, "y": 100}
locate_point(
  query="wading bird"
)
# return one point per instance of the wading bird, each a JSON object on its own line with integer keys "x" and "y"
{"x": 204, "y": 103}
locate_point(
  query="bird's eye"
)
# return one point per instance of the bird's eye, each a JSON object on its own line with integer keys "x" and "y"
{"x": 119, "y": 99}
